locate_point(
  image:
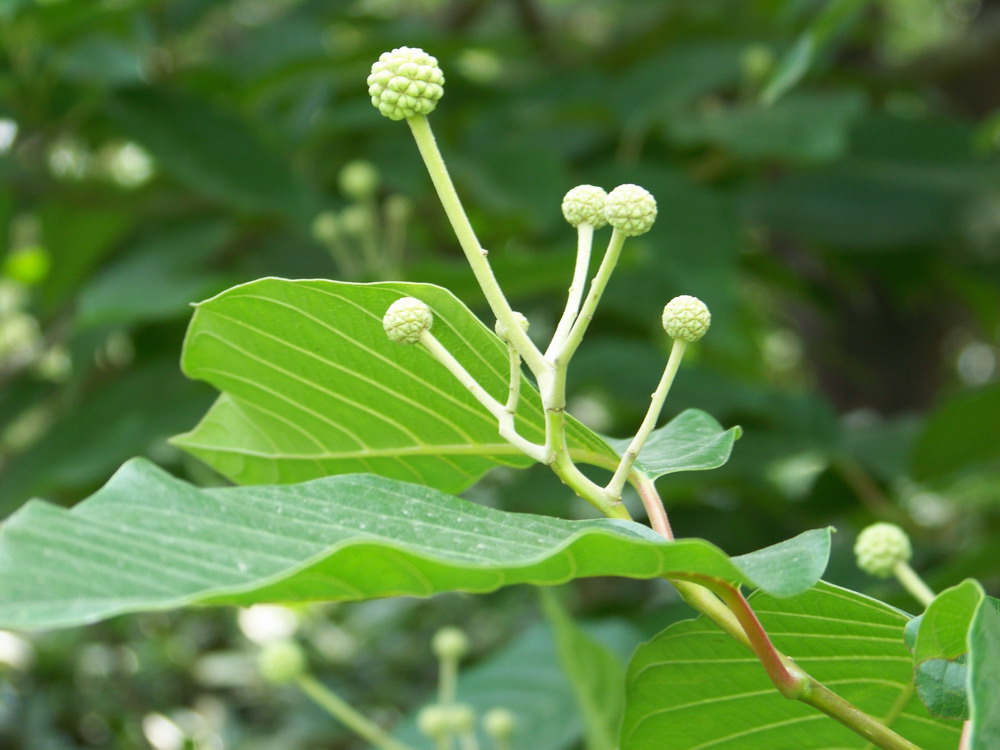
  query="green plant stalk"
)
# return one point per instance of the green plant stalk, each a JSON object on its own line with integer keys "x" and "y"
{"x": 505, "y": 419}
{"x": 584, "y": 243}
{"x": 447, "y": 681}
{"x": 347, "y": 715}
{"x": 474, "y": 252}
{"x": 617, "y": 483}
{"x": 651, "y": 501}
{"x": 514, "y": 390}
{"x": 913, "y": 583}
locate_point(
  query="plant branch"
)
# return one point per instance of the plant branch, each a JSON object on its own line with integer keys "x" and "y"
{"x": 651, "y": 501}
{"x": 621, "y": 474}
{"x": 584, "y": 243}
{"x": 474, "y": 252}
{"x": 913, "y": 583}
{"x": 347, "y": 715}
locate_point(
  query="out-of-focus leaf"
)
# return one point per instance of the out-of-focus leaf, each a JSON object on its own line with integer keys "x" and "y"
{"x": 349, "y": 537}
{"x": 962, "y": 433}
{"x": 691, "y": 441}
{"x": 158, "y": 281}
{"x": 805, "y": 127}
{"x": 125, "y": 415}
{"x": 215, "y": 152}
{"x": 102, "y": 60}
{"x": 597, "y": 677}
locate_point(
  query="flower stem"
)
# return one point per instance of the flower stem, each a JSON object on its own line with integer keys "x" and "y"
{"x": 474, "y": 252}
{"x": 617, "y": 482}
{"x": 347, "y": 715}
{"x": 913, "y": 583}
{"x": 584, "y": 242}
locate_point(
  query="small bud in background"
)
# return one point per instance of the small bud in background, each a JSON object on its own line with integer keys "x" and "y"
{"x": 880, "y": 548}
{"x": 358, "y": 180}
{"x": 405, "y": 82}
{"x": 450, "y": 643}
{"x": 501, "y": 329}
{"x": 499, "y": 723}
{"x": 585, "y": 204}
{"x": 686, "y": 318}
{"x": 281, "y": 661}
{"x": 406, "y": 319}
{"x": 461, "y": 719}
{"x": 434, "y": 721}
{"x": 325, "y": 227}
{"x": 631, "y": 210}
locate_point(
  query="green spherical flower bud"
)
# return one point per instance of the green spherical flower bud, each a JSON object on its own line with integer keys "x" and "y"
{"x": 585, "y": 204}
{"x": 499, "y": 723}
{"x": 880, "y": 547}
{"x": 686, "y": 318}
{"x": 281, "y": 661}
{"x": 326, "y": 227}
{"x": 450, "y": 643}
{"x": 406, "y": 319}
{"x": 461, "y": 719}
{"x": 405, "y": 82}
{"x": 501, "y": 329}
{"x": 358, "y": 180}
{"x": 433, "y": 721}
{"x": 630, "y": 209}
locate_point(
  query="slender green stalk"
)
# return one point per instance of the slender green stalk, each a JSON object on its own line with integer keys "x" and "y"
{"x": 447, "y": 681}
{"x": 653, "y": 504}
{"x": 821, "y": 697}
{"x": 600, "y": 281}
{"x": 617, "y": 482}
{"x": 348, "y": 716}
{"x": 514, "y": 390}
{"x": 505, "y": 419}
{"x": 474, "y": 252}
{"x": 913, "y": 583}
{"x": 584, "y": 243}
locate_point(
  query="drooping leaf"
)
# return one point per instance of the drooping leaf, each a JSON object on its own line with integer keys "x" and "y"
{"x": 850, "y": 642}
{"x": 691, "y": 441}
{"x": 312, "y": 387}
{"x": 597, "y": 678}
{"x": 148, "y": 541}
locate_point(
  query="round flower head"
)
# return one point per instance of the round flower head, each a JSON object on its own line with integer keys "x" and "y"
{"x": 405, "y": 82}
{"x": 584, "y": 204}
{"x": 686, "y": 318}
{"x": 406, "y": 319}
{"x": 434, "y": 721}
{"x": 281, "y": 661}
{"x": 450, "y": 643}
{"x": 880, "y": 547}
{"x": 631, "y": 210}
{"x": 501, "y": 329}
{"x": 499, "y": 723}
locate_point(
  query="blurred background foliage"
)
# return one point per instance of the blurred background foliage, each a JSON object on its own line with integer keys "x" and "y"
{"x": 828, "y": 175}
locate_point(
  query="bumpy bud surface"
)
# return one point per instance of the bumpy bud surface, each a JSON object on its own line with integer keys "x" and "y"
{"x": 501, "y": 329}
{"x": 630, "y": 209}
{"x": 450, "y": 643}
{"x": 880, "y": 547}
{"x": 585, "y": 204}
{"x": 406, "y": 319}
{"x": 686, "y": 318}
{"x": 499, "y": 723}
{"x": 405, "y": 82}
{"x": 281, "y": 661}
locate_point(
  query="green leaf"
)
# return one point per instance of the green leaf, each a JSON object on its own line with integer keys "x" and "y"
{"x": 962, "y": 433}
{"x": 594, "y": 672}
{"x": 148, "y": 541}
{"x": 984, "y": 666}
{"x": 691, "y": 441}
{"x": 850, "y": 642}
{"x": 312, "y": 387}
{"x": 211, "y": 150}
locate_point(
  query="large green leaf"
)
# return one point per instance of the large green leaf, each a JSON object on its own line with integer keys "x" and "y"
{"x": 691, "y": 441}
{"x": 848, "y": 641}
{"x": 594, "y": 672}
{"x": 312, "y": 387}
{"x": 150, "y": 541}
